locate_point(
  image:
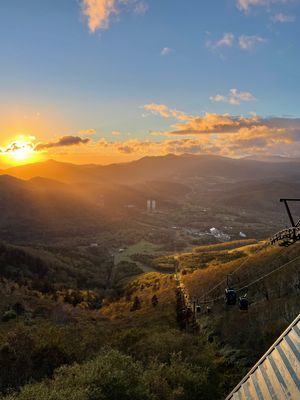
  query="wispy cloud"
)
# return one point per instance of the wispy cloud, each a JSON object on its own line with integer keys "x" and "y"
{"x": 163, "y": 111}
{"x": 100, "y": 12}
{"x": 227, "y": 40}
{"x": 166, "y": 51}
{"x": 244, "y": 42}
{"x": 234, "y": 97}
{"x": 246, "y": 5}
{"x": 250, "y": 42}
{"x": 283, "y": 18}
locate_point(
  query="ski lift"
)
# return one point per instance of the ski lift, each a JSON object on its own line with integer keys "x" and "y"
{"x": 230, "y": 294}
{"x": 243, "y": 303}
{"x": 290, "y": 235}
{"x": 198, "y": 309}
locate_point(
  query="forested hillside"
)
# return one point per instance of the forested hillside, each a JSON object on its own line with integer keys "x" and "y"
{"x": 132, "y": 344}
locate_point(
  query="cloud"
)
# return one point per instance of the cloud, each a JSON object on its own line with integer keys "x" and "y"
{"x": 234, "y": 97}
{"x": 249, "y": 42}
{"x": 15, "y": 146}
{"x": 245, "y": 5}
{"x": 207, "y": 133}
{"x": 140, "y": 148}
{"x": 163, "y": 111}
{"x": 232, "y": 135}
{"x": 158, "y": 109}
{"x": 166, "y": 51}
{"x": 211, "y": 123}
{"x": 63, "y": 141}
{"x": 225, "y": 134}
{"x": 245, "y": 42}
{"x": 226, "y": 41}
{"x": 100, "y": 12}
{"x": 283, "y": 18}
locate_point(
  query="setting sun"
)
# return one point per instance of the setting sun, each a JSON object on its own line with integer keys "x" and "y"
{"x": 21, "y": 154}
{"x": 19, "y": 151}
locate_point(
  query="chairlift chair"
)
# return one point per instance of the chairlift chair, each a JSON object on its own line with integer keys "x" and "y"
{"x": 230, "y": 294}
{"x": 243, "y": 303}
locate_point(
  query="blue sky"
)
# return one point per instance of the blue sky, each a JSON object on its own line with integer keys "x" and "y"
{"x": 58, "y": 77}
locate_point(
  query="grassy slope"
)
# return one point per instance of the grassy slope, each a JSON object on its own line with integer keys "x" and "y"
{"x": 274, "y": 301}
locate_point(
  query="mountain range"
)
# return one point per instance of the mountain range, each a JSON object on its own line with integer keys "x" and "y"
{"x": 69, "y": 199}
{"x": 169, "y": 167}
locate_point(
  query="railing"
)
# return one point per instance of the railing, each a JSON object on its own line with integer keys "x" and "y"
{"x": 287, "y": 236}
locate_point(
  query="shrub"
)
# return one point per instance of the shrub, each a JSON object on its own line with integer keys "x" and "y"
{"x": 8, "y": 315}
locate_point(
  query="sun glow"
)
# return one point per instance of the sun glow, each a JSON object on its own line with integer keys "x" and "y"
{"x": 19, "y": 151}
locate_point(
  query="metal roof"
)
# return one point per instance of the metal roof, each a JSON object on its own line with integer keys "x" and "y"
{"x": 276, "y": 376}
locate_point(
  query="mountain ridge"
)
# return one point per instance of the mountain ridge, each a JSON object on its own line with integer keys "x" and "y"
{"x": 154, "y": 168}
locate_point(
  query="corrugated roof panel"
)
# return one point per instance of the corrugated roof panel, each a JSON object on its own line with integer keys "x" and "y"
{"x": 277, "y": 374}
{"x": 264, "y": 385}
{"x": 274, "y": 384}
{"x": 256, "y": 382}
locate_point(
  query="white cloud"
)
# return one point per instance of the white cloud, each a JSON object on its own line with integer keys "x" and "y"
{"x": 249, "y": 42}
{"x": 283, "y": 18}
{"x": 166, "y": 51}
{"x": 234, "y": 97}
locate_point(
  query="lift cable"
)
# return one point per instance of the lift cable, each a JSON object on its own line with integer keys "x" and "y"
{"x": 270, "y": 273}
{"x": 255, "y": 281}
{"x": 244, "y": 262}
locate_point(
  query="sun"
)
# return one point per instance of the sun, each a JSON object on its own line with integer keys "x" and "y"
{"x": 20, "y": 152}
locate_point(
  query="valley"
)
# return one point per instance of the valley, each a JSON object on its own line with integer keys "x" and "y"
{"x": 89, "y": 276}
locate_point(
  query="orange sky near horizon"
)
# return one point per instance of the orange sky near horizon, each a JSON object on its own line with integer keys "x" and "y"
{"x": 19, "y": 150}
{"x": 38, "y": 137}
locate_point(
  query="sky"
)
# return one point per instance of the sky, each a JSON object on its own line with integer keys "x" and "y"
{"x": 102, "y": 81}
